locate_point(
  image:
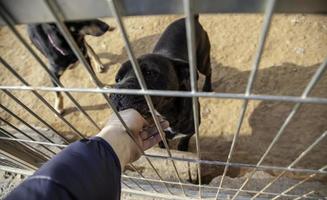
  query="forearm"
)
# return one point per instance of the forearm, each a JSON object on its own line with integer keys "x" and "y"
{"x": 86, "y": 169}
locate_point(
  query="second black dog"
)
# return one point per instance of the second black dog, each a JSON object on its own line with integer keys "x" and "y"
{"x": 48, "y": 39}
{"x": 167, "y": 68}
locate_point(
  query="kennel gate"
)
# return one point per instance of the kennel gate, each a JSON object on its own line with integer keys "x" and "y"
{"x": 20, "y": 156}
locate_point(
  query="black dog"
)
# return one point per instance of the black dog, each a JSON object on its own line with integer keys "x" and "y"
{"x": 167, "y": 68}
{"x": 48, "y": 39}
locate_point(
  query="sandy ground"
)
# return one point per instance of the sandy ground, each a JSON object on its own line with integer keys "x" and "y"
{"x": 296, "y": 45}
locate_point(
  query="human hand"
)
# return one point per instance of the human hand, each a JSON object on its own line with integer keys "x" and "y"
{"x": 144, "y": 135}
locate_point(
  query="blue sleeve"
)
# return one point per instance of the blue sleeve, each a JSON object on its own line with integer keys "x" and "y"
{"x": 86, "y": 169}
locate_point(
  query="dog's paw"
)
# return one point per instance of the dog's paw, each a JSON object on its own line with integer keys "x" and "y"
{"x": 60, "y": 111}
{"x": 207, "y": 88}
{"x": 101, "y": 68}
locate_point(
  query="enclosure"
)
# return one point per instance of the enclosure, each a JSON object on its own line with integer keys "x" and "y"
{"x": 263, "y": 129}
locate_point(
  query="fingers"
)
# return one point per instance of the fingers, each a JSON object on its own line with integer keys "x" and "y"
{"x": 131, "y": 117}
{"x": 151, "y": 141}
{"x": 152, "y": 130}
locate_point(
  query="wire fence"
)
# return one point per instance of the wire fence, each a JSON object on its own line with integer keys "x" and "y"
{"x": 56, "y": 11}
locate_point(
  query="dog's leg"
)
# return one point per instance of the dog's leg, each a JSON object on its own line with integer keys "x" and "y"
{"x": 207, "y": 87}
{"x": 183, "y": 146}
{"x": 94, "y": 58}
{"x": 100, "y": 84}
{"x": 59, "y": 103}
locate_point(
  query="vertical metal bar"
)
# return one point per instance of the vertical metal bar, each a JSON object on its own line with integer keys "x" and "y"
{"x": 140, "y": 78}
{"x": 26, "y": 124}
{"x": 190, "y": 34}
{"x": 262, "y": 39}
{"x": 297, "y": 184}
{"x": 35, "y": 115}
{"x": 304, "y": 153}
{"x": 10, "y": 23}
{"x": 6, "y": 65}
{"x": 315, "y": 78}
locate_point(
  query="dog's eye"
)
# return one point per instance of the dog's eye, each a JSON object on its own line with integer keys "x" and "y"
{"x": 72, "y": 29}
{"x": 148, "y": 73}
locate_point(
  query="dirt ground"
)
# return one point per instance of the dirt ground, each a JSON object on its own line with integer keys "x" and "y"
{"x": 296, "y": 45}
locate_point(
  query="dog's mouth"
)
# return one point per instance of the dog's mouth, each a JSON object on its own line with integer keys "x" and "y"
{"x": 139, "y": 104}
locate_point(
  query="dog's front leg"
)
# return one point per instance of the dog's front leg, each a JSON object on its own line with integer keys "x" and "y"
{"x": 94, "y": 58}
{"x": 59, "y": 103}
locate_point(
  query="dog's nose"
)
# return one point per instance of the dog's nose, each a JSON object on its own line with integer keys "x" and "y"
{"x": 104, "y": 27}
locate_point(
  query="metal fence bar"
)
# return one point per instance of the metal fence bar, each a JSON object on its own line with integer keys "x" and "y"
{"x": 16, "y": 170}
{"x": 26, "y": 124}
{"x": 140, "y": 174}
{"x": 304, "y": 195}
{"x": 297, "y": 184}
{"x": 12, "y": 136}
{"x": 304, "y": 153}
{"x": 262, "y": 39}
{"x": 236, "y": 96}
{"x": 45, "y": 102}
{"x": 33, "y": 142}
{"x": 16, "y": 161}
{"x": 10, "y": 23}
{"x": 140, "y": 78}
{"x": 153, "y": 7}
{"x": 190, "y": 34}
{"x": 126, "y": 184}
{"x": 241, "y": 165}
{"x": 59, "y": 19}
{"x": 315, "y": 78}
{"x": 136, "y": 183}
{"x": 210, "y": 162}
{"x": 34, "y": 114}
{"x": 213, "y": 187}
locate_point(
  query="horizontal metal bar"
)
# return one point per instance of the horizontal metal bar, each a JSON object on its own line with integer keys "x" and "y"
{"x": 297, "y": 184}
{"x": 294, "y": 99}
{"x": 305, "y": 195}
{"x": 212, "y": 187}
{"x": 16, "y": 170}
{"x": 35, "y": 115}
{"x": 25, "y": 11}
{"x": 221, "y": 163}
{"x": 33, "y": 142}
{"x": 209, "y": 162}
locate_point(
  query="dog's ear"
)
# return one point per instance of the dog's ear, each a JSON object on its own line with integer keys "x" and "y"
{"x": 183, "y": 73}
{"x": 56, "y": 39}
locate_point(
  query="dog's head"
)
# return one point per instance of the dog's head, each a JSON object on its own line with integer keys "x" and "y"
{"x": 160, "y": 73}
{"x": 90, "y": 27}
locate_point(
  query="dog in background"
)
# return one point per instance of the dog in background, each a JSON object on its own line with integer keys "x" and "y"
{"x": 48, "y": 39}
{"x": 167, "y": 68}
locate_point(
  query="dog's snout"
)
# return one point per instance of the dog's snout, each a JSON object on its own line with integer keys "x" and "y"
{"x": 104, "y": 27}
